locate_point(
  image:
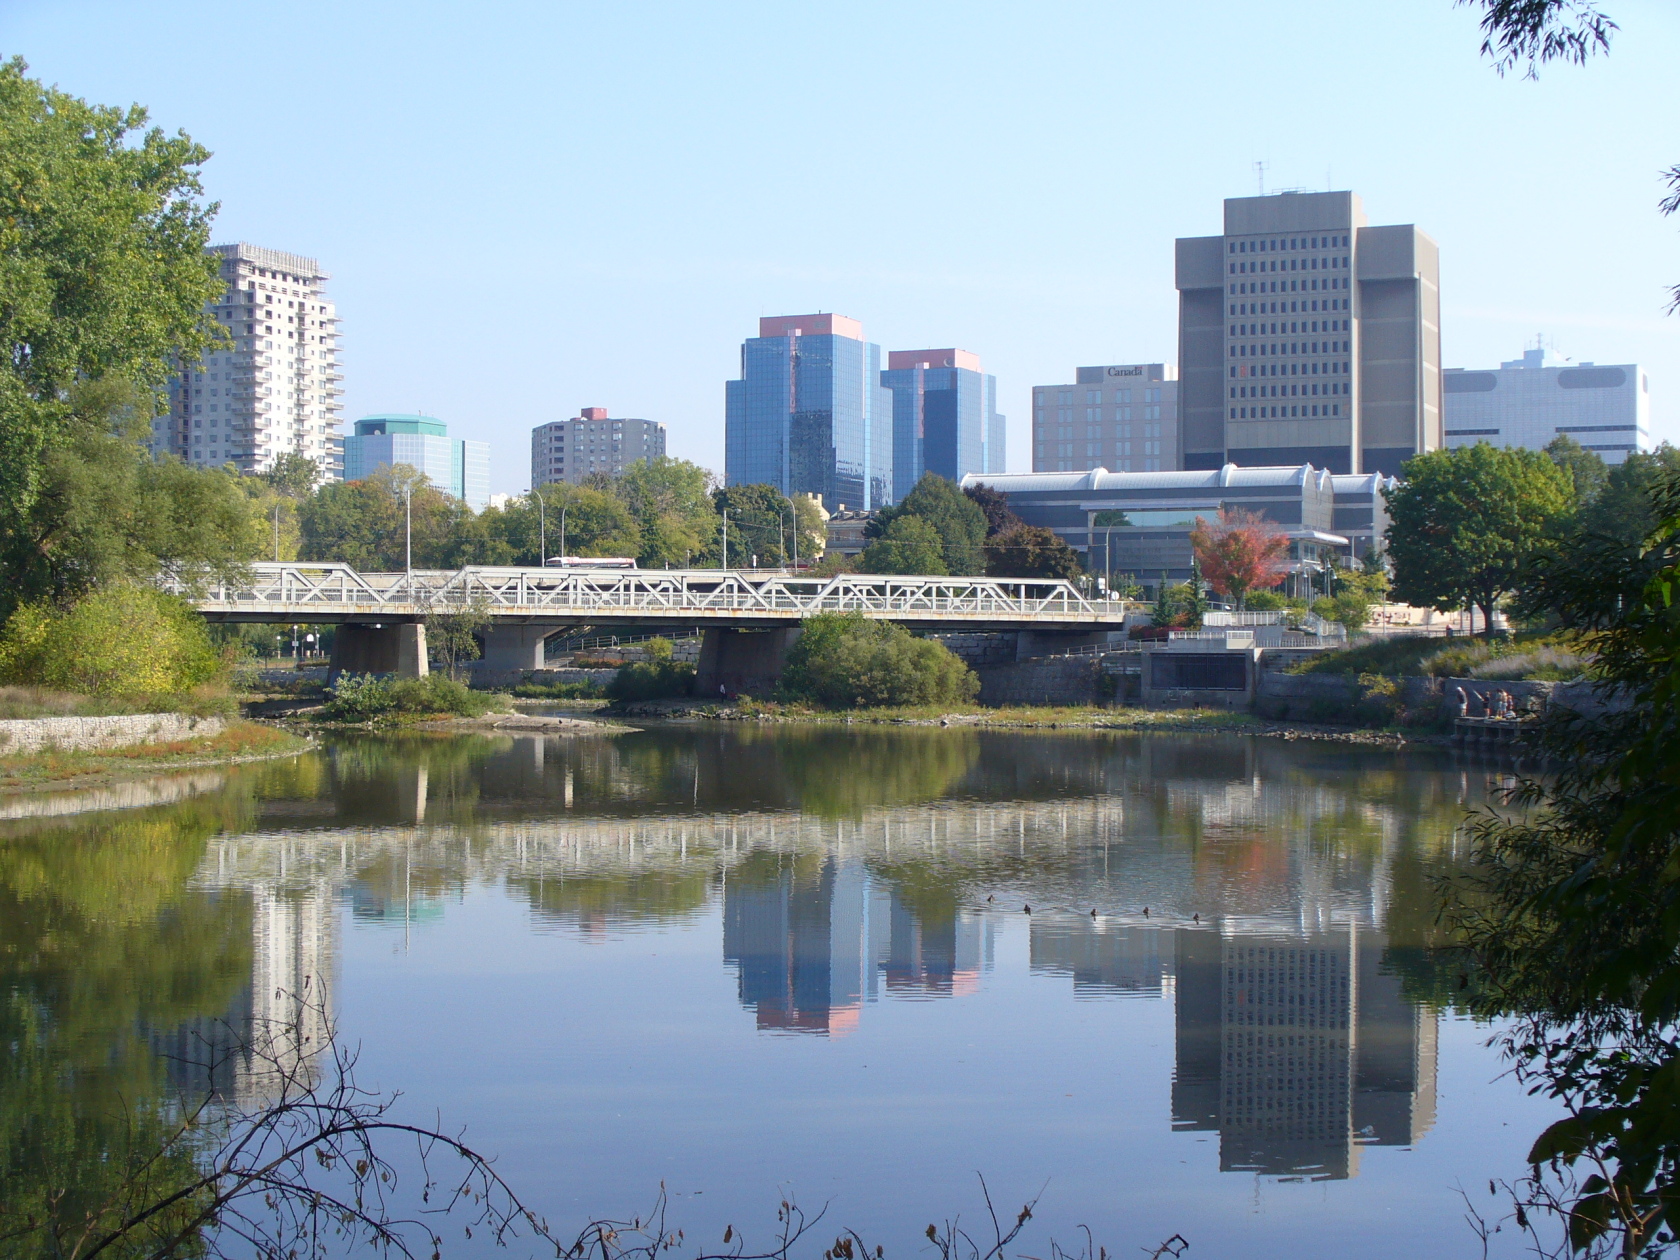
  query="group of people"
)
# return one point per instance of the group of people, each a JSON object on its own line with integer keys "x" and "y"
{"x": 1496, "y": 704}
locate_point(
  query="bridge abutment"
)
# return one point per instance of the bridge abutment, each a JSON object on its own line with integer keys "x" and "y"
{"x": 515, "y": 647}
{"x": 389, "y": 648}
{"x": 742, "y": 662}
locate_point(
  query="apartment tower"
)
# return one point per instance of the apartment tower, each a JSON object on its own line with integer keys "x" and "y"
{"x": 1308, "y": 337}
{"x": 809, "y": 414}
{"x": 274, "y": 386}
{"x": 591, "y": 442}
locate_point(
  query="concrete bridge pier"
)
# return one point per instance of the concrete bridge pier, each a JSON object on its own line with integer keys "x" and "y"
{"x": 386, "y": 648}
{"x": 742, "y": 662}
{"x": 515, "y": 647}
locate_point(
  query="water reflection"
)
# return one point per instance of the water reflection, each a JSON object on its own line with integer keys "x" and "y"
{"x": 1276, "y": 895}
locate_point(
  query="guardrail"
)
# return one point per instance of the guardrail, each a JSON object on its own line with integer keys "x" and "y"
{"x": 319, "y": 592}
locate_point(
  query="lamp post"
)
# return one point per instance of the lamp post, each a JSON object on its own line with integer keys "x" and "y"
{"x": 793, "y": 510}
{"x": 542, "y": 528}
{"x": 563, "y": 508}
{"x": 408, "y": 531}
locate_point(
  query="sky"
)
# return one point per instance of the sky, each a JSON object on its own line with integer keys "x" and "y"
{"x": 528, "y": 208}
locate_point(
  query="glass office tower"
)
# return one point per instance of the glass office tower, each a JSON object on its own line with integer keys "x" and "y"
{"x": 945, "y": 416}
{"x": 809, "y": 414}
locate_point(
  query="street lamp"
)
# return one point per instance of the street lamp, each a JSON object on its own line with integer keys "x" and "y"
{"x": 793, "y": 510}
{"x": 542, "y": 528}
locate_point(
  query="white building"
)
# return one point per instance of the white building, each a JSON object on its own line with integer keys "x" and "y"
{"x": 1533, "y": 400}
{"x": 1122, "y": 417}
{"x": 275, "y": 386}
{"x": 590, "y": 442}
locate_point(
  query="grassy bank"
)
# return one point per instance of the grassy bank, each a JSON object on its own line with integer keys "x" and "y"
{"x": 1527, "y": 657}
{"x": 241, "y": 741}
{"x": 41, "y": 702}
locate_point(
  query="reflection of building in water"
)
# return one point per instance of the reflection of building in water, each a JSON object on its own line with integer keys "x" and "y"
{"x": 1297, "y": 1049}
{"x": 279, "y": 1021}
{"x": 1102, "y": 959}
{"x": 809, "y": 936}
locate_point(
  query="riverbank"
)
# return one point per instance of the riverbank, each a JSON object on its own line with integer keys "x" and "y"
{"x": 1073, "y": 718}
{"x": 238, "y": 743}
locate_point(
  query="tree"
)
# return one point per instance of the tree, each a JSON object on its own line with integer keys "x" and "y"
{"x": 105, "y": 274}
{"x": 761, "y": 523}
{"x": 293, "y": 475}
{"x": 452, "y": 630}
{"x": 843, "y": 660}
{"x": 1240, "y": 552}
{"x": 1031, "y": 551}
{"x": 105, "y": 511}
{"x": 1465, "y": 521}
{"x": 672, "y": 504}
{"x": 1586, "y": 469}
{"x": 995, "y": 505}
{"x": 956, "y": 518}
{"x": 121, "y": 640}
{"x": 364, "y": 524}
{"x": 910, "y": 546}
{"x": 1626, "y": 508}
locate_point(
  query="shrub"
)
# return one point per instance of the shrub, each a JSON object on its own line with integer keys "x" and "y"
{"x": 368, "y": 698}
{"x": 652, "y": 680}
{"x": 559, "y": 691}
{"x": 847, "y": 661}
{"x": 119, "y": 641}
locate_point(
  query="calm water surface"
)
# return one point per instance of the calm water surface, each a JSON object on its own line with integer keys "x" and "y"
{"x": 753, "y": 963}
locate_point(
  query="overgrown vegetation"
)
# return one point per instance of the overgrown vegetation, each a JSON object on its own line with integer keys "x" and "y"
{"x": 369, "y": 698}
{"x": 1525, "y": 656}
{"x": 657, "y": 678}
{"x": 847, "y": 661}
{"x": 119, "y": 641}
{"x": 560, "y": 691}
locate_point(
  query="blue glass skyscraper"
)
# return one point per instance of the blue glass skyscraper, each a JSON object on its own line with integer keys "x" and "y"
{"x": 945, "y": 416}
{"x": 809, "y": 414}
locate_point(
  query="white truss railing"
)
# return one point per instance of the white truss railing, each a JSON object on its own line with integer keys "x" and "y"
{"x": 327, "y": 592}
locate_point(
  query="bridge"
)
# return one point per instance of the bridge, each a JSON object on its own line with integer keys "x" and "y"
{"x": 382, "y": 616}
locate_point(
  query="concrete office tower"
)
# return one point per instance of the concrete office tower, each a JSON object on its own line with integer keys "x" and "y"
{"x": 454, "y": 465}
{"x": 944, "y": 416}
{"x": 1306, "y": 336}
{"x": 1535, "y": 399}
{"x": 809, "y": 414}
{"x": 1122, "y": 417}
{"x": 590, "y": 442}
{"x": 274, "y": 388}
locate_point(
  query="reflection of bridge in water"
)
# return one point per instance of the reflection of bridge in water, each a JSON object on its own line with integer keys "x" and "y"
{"x": 1293, "y": 1041}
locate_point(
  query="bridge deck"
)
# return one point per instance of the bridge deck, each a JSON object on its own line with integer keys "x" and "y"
{"x": 280, "y": 593}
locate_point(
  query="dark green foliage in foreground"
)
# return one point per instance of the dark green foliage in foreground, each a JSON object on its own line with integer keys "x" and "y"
{"x": 652, "y": 680}
{"x": 367, "y": 698}
{"x": 1573, "y": 907}
{"x": 845, "y": 661}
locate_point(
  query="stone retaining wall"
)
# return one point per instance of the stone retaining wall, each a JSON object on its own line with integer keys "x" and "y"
{"x": 1050, "y": 680}
{"x": 27, "y": 735}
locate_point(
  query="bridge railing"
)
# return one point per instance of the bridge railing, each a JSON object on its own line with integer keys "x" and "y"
{"x": 295, "y": 589}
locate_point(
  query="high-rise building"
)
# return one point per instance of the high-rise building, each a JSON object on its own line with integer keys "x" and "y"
{"x": 454, "y": 465}
{"x": 1122, "y": 417}
{"x": 1306, "y": 336}
{"x": 944, "y": 416}
{"x": 1535, "y": 399}
{"x": 590, "y": 442}
{"x": 809, "y": 414}
{"x": 273, "y": 388}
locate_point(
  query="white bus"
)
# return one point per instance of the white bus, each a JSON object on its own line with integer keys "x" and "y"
{"x": 591, "y": 562}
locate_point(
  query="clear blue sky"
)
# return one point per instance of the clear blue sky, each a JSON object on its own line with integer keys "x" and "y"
{"x": 531, "y": 207}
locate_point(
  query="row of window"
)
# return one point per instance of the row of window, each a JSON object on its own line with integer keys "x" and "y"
{"x": 1308, "y": 390}
{"x": 1298, "y": 411}
{"x": 1267, "y": 349}
{"x": 1288, "y": 243}
{"x": 1286, "y": 327}
{"x": 1094, "y": 397}
{"x": 1288, "y": 264}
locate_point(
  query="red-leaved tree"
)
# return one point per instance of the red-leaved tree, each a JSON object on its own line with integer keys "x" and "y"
{"x": 1240, "y": 552}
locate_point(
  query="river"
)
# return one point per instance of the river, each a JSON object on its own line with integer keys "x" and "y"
{"x": 754, "y": 962}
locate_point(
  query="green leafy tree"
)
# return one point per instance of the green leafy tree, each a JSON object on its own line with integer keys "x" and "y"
{"x": 672, "y": 504}
{"x": 1465, "y": 521}
{"x": 120, "y": 640}
{"x": 847, "y": 661}
{"x": 293, "y": 475}
{"x": 105, "y": 511}
{"x": 1031, "y": 551}
{"x": 1626, "y": 508}
{"x": 910, "y": 546}
{"x": 104, "y": 274}
{"x": 956, "y": 518}
{"x": 1586, "y": 469}
{"x": 761, "y": 521}
{"x": 363, "y": 524}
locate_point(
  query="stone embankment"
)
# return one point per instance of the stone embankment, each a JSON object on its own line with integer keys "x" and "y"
{"x": 81, "y": 734}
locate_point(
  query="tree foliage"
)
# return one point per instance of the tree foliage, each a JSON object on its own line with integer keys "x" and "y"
{"x": 1586, "y": 469}
{"x": 955, "y": 517}
{"x": 121, "y": 640}
{"x": 910, "y": 545}
{"x": 103, "y": 274}
{"x": 844, "y": 661}
{"x": 1573, "y": 908}
{"x": 1031, "y": 551}
{"x": 1000, "y": 518}
{"x": 761, "y": 523}
{"x": 1465, "y": 521}
{"x": 1239, "y": 552}
{"x": 671, "y": 502}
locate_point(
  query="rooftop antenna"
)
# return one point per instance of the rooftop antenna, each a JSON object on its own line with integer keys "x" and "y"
{"x": 1260, "y": 177}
